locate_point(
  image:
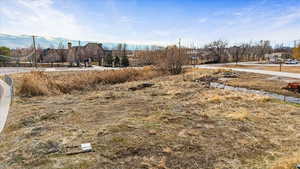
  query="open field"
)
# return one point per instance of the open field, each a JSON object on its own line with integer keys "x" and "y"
{"x": 263, "y": 82}
{"x": 177, "y": 123}
{"x": 289, "y": 69}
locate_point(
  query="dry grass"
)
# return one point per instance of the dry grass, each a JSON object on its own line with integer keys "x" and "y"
{"x": 263, "y": 82}
{"x": 174, "y": 124}
{"x": 41, "y": 83}
{"x": 290, "y": 69}
{"x": 288, "y": 162}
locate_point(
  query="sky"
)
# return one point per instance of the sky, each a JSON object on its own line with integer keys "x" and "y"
{"x": 153, "y": 21}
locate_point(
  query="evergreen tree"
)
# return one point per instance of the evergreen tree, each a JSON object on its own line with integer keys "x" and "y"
{"x": 117, "y": 61}
{"x": 4, "y": 51}
{"x": 108, "y": 60}
{"x": 125, "y": 61}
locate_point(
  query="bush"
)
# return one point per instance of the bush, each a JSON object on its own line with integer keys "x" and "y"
{"x": 172, "y": 60}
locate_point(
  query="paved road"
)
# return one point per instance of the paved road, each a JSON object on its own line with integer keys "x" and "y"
{"x": 5, "y": 99}
{"x": 273, "y": 73}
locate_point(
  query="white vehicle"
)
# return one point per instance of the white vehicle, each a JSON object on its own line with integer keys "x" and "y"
{"x": 291, "y": 61}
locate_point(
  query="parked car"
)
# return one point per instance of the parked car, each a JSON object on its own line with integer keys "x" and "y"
{"x": 291, "y": 61}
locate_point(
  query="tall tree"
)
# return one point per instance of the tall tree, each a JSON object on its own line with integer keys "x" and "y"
{"x": 219, "y": 50}
{"x": 108, "y": 60}
{"x": 4, "y": 51}
{"x": 62, "y": 53}
{"x": 117, "y": 61}
{"x": 296, "y": 52}
{"x": 238, "y": 52}
{"x": 124, "y": 58}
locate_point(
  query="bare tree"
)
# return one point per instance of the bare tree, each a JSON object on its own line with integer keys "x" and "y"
{"x": 124, "y": 57}
{"x": 39, "y": 52}
{"x": 219, "y": 50}
{"x": 238, "y": 52}
{"x": 262, "y": 48}
{"x": 100, "y": 54}
{"x": 62, "y": 53}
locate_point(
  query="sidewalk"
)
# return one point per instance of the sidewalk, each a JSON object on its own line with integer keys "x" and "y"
{"x": 273, "y": 73}
{"x": 5, "y": 99}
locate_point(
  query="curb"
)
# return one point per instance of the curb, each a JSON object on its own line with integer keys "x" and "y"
{"x": 5, "y": 101}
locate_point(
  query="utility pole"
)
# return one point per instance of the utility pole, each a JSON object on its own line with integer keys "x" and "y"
{"x": 179, "y": 45}
{"x": 35, "y": 54}
{"x": 79, "y": 54}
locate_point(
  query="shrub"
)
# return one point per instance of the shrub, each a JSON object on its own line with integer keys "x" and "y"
{"x": 172, "y": 60}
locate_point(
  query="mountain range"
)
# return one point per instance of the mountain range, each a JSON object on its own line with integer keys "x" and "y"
{"x": 25, "y": 41}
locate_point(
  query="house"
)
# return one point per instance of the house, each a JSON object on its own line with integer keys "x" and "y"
{"x": 77, "y": 54}
{"x": 277, "y": 56}
{"x": 74, "y": 54}
{"x": 52, "y": 55}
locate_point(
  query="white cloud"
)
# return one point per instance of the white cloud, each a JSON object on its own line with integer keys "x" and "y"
{"x": 40, "y": 17}
{"x": 288, "y": 18}
{"x": 126, "y": 19}
{"x": 162, "y": 32}
{"x": 237, "y": 14}
{"x": 202, "y": 20}
{"x": 259, "y": 20}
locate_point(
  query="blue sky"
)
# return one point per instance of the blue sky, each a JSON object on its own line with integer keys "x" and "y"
{"x": 153, "y": 21}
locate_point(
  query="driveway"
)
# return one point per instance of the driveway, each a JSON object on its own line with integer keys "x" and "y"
{"x": 273, "y": 73}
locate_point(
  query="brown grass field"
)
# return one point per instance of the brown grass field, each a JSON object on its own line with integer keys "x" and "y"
{"x": 177, "y": 123}
{"x": 290, "y": 69}
{"x": 263, "y": 82}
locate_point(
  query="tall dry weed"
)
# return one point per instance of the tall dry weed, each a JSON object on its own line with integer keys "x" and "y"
{"x": 41, "y": 83}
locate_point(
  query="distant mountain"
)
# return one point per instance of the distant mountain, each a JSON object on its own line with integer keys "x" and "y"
{"x": 24, "y": 41}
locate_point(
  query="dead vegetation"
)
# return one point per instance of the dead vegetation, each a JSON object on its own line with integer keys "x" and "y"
{"x": 175, "y": 123}
{"x": 172, "y": 60}
{"x": 263, "y": 82}
{"x": 41, "y": 83}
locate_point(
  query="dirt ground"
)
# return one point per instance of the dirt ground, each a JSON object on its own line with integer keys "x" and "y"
{"x": 177, "y": 123}
{"x": 290, "y": 69}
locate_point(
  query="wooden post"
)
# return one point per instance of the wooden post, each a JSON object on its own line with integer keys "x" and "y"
{"x": 280, "y": 66}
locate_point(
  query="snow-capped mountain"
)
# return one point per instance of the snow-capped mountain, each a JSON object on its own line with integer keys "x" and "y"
{"x": 24, "y": 41}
